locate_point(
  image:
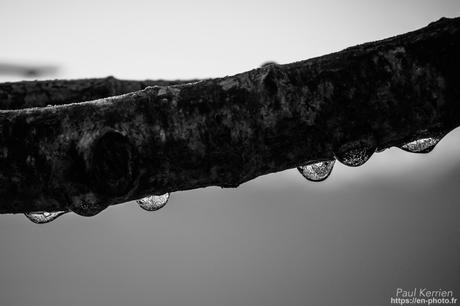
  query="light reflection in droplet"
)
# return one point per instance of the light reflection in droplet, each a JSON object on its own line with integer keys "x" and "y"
{"x": 318, "y": 171}
{"x": 154, "y": 202}
{"x": 43, "y": 216}
{"x": 355, "y": 157}
{"x": 423, "y": 145}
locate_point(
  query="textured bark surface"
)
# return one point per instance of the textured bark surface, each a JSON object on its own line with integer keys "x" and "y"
{"x": 223, "y": 132}
{"x": 28, "y": 94}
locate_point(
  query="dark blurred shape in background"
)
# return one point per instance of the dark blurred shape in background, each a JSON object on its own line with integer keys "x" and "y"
{"x": 27, "y": 71}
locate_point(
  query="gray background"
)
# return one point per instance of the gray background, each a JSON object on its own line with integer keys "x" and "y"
{"x": 277, "y": 240}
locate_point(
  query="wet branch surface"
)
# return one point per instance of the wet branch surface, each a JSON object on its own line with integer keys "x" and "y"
{"x": 137, "y": 138}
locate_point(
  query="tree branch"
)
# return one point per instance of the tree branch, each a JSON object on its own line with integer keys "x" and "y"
{"x": 86, "y": 156}
{"x": 29, "y": 94}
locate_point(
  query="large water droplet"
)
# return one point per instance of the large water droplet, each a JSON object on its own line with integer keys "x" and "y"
{"x": 153, "y": 202}
{"x": 43, "y": 216}
{"x": 87, "y": 205}
{"x": 355, "y": 157}
{"x": 423, "y": 145}
{"x": 318, "y": 171}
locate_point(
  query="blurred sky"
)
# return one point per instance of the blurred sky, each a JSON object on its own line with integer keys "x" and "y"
{"x": 277, "y": 240}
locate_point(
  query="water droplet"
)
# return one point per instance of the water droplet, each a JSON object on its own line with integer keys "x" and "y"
{"x": 355, "y": 157}
{"x": 43, "y": 216}
{"x": 87, "y": 205}
{"x": 153, "y": 202}
{"x": 423, "y": 145}
{"x": 318, "y": 171}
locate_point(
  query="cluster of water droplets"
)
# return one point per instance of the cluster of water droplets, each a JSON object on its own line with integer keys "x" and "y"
{"x": 153, "y": 202}
{"x": 423, "y": 145}
{"x": 315, "y": 171}
{"x": 44, "y": 216}
{"x": 318, "y": 171}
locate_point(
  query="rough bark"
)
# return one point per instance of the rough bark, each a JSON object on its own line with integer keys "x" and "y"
{"x": 29, "y": 94}
{"x": 222, "y": 132}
